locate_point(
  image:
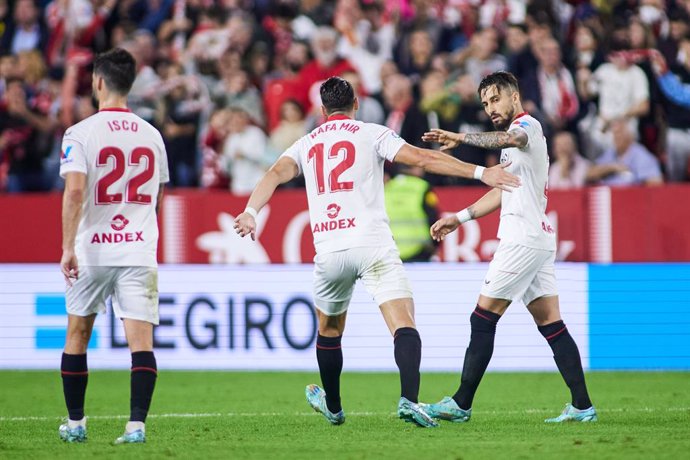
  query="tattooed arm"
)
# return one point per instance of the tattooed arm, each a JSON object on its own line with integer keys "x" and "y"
{"x": 495, "y": 139}
{"x": 490, "y": 140}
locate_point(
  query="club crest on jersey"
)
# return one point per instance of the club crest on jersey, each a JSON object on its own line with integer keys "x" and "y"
{"x": 64, "y": 155}
{"x": 119, "y": 222}
{"x": 333, "y": 210}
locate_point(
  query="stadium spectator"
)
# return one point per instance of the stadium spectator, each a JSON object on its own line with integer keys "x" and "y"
{"x": 627, "y": 162}
{"x": 520, "y": 59}
{"x": 364, "y": 249}
{"x": 675, "y": 88}
{"x": 26, "y": 135}
{"x": 270, "y": 42}
{"x": 326, "y": 62}
{"x": 404, "y": 117}
{"x": 570, "y": 168}
{"x": 236, "y": 90}
{"x": 367, "y": 44}
{"x": 418, "y": 60}
{"x": 244, "y": 152}
{"x": 480, "y": 57}
{"x": 370, "y": 110}
{"x": 523, "y": 264}
{"x": 551, "y": 96}
{"x": 142, "y": 97}
{"x": 178, "y": 113}
{"x": 213, "y": 175}
{"x": 97, "y": 162}
{"x": 292, "y": 126}
{"x": 586, "y": 50}
{"x": 623, "y": 91}
{"x": 26, "y": 31}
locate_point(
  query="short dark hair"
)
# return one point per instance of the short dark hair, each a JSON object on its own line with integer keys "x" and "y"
{"x": 118, "y": 68}
{"x": 500, "y": 79}
{"x": 337, "y": 95}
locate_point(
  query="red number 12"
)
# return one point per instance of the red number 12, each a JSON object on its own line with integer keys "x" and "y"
{"x": 316, "y": 153}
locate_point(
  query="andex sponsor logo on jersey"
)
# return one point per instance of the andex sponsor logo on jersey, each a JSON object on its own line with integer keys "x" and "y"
{"x": 118, "y": 223}
{"x": 332, "y": 211}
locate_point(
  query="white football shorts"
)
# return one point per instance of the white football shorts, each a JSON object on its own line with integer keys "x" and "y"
{"x": 380, "y": 269}
{"x": 134, "y": 292}
{"x": 517, "y": 270}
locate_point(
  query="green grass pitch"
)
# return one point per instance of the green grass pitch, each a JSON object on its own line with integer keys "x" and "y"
{"x": 265, "y": 416}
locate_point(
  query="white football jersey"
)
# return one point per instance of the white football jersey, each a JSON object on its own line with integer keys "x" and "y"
{"x": 125, "y": 162}
{"x": 523, "y": 211}
{"x": 342, "y": 162}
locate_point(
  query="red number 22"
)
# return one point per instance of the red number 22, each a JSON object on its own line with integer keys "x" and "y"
{"x": 133, "y": 185}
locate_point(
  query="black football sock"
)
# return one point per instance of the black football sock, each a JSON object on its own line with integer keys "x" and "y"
{"x": 408, "y": 355}
{"x": 329, "y": 355}
{"x": 478, "y": 354}
{"x": 143, "y": 381}
{"x": 75, "y": 376}
{"x": 567, "y": 358}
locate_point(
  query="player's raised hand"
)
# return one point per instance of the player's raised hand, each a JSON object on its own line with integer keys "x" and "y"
{"x": 497, "y": 176}
{"x": 69, "y": 266}
{"x": 444, "y": 226}
{"x": 245, "y": 225}
{"x": 447, "y": 139}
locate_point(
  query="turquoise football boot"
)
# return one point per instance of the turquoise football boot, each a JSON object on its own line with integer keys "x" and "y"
{"x": 447, "y": 409}
{"x": 316, "y": 398}
{"x": 413, "y": 413}
{"x": 571, "y": 414}
{"x": 135, "y": 437}
{"x": 73, "y": 434}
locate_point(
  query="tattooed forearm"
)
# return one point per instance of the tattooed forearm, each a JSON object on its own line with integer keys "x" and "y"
{"x": 472, "y": 212}
{"x": 492, "y": 140}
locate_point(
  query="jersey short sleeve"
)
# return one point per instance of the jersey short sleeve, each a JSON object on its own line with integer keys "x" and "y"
{"x": 72, "y": 155}
{"x": 293, "y": 153}
{"x": 164, "y": 173}
{"x": 527, "y": 127}
{"x": 388, "y": 143}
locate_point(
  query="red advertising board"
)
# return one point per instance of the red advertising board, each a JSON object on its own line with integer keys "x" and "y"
{"x": 595, "y": 224}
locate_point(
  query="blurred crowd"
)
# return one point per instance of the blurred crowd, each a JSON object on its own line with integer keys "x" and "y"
{"x": 232, "y": 83}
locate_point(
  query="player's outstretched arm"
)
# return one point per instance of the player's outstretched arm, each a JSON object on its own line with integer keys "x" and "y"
{"x": 487, "y": 204}
{"x": 282, "y": 171}
{"x": 447, "y": 139}
{"x": 72, "y": 200}
{"x": 489, "y": 140}
{"x": 441, "y": 163}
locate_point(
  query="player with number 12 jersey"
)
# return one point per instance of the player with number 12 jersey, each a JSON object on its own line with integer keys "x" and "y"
{"x": 344, "y": 182}
{"x": 125, "y": 162}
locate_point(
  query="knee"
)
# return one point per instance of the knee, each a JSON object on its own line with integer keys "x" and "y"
{"x": 78, "y": 339}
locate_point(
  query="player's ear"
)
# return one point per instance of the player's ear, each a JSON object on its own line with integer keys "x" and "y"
{"x": 324, "y": 112}
{"x": 356, "y": 104}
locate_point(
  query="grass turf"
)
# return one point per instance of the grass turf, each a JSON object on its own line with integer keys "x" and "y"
{"x": 264, "y": 415}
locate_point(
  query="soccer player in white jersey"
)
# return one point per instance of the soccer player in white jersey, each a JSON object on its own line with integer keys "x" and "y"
{"x": 114, "y": 165}
{"x": 523, "y": 265}
{"x": 342, "y": 162}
